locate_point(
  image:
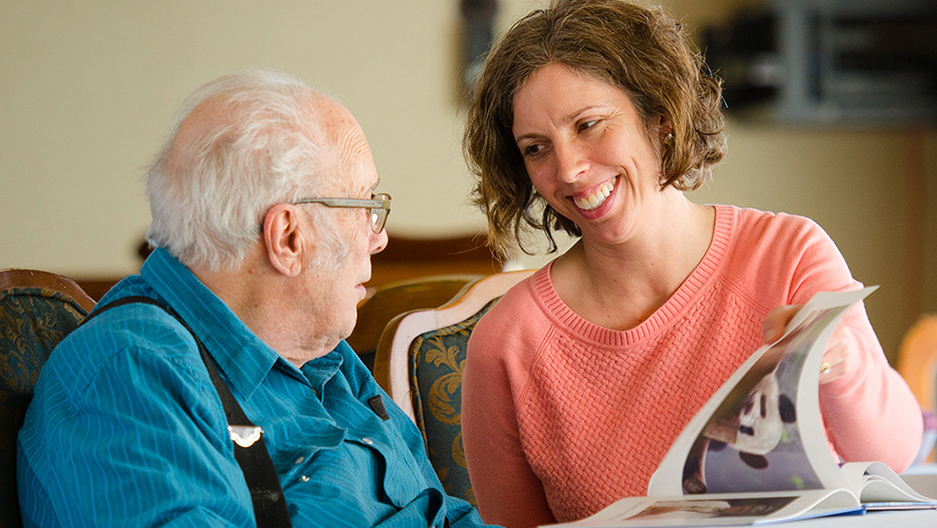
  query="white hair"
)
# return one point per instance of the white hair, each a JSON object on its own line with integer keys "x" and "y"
{"x": 208, "y": 195}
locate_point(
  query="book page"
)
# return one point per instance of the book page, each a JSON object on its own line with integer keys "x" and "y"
{"x": 720, "y": 509}
{"x": 879, "y": 487}
{"x": 761, "y": 430}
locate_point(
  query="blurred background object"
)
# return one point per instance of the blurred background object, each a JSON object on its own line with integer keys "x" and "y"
{"x": 87, "y": 90}
{"x": 838, "y": 62}
{"x": 479, "y": 17}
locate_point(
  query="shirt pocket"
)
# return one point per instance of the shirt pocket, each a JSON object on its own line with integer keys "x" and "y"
{"x": 293, "y": 440}
{"x": 403, "y": 477}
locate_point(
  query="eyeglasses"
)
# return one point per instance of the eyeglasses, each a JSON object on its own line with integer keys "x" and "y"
{"x": 378, "y": 207}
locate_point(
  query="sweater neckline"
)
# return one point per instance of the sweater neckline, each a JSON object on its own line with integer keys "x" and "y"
{"x": 665, "y": 316}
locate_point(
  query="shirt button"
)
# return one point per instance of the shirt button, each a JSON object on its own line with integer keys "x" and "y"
{"x": 304, "y": 478}
{"x": 367, "y": 441}
{"x": 300, "y": 460}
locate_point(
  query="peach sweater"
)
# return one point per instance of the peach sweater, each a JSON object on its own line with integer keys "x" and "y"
{"x": 562, "y": 417}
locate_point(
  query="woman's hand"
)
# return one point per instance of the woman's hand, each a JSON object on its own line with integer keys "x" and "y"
{"x": 836, "y": 357}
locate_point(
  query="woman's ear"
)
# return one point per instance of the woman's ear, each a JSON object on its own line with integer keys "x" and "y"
{"x": 660, "y": 134}
{"x": 286, "y": 239}
{"x": 664, "y": 129}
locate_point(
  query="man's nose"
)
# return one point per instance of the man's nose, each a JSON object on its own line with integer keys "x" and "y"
{"x": 378, "y": 241}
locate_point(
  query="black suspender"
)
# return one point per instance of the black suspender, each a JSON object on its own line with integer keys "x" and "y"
{"x": 249, "y": 447}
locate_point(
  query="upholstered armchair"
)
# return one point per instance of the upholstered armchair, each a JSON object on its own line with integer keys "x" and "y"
{"x": 419, "y": 361}
{"x": 437, "y": 359}
{"x": 37, "y": 309}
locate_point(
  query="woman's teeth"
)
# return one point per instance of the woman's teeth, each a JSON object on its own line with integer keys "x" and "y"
{"x": 596, "y": 198}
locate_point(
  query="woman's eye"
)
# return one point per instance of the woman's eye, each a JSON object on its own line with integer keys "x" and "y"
{"x": 532, "y": 150}
{"x": 586, "y": 125}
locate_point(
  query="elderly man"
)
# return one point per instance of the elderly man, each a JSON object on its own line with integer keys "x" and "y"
{"x": 264, "y": 220}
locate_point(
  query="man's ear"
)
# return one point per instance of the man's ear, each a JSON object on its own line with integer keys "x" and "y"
{"x": 286, "y": 239}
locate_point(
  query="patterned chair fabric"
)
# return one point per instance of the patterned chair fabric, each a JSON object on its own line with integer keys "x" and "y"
{"x": 437, "y": 359}
{"x": 37, "y": 310}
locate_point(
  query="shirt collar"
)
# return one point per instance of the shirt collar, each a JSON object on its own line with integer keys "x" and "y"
{"x": 242, "y": 356}
{"x": 320, "y": 370}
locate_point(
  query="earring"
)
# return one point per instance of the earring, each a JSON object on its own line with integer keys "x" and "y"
{"x": 668, "y": 139}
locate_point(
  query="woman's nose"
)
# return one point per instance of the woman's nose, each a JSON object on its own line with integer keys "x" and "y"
{"x": 571, "y": 162}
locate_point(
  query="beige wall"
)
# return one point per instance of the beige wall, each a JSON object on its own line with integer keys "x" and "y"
{"x": 87, "y": 90}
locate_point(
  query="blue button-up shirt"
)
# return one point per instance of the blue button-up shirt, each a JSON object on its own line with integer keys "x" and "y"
{"x": 126, "y": 428}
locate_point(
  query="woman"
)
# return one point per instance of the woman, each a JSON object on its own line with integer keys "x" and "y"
{"x": 581, "y": 377}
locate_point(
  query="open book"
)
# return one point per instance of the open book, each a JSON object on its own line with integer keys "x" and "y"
{"x": 756, "y": 453}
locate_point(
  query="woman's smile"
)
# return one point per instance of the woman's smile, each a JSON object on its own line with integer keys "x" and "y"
{"x": 591, "y": 200}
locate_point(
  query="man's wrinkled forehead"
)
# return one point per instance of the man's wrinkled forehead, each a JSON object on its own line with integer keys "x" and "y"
{"x": 342, "y": 130}
{"x": 349, "y": 146}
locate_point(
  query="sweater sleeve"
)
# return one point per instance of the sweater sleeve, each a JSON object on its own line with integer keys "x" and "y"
{"x": 506, "y": 488}
{"x": 870, "y": 412}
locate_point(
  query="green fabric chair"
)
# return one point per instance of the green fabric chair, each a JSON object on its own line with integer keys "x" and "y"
{"x": 437, "y": 359}
{"x": 419, "y": 361}
{"x": 37, "y": 309}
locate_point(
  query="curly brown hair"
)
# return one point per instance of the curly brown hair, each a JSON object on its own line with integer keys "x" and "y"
{"x": 642, "y": 51}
